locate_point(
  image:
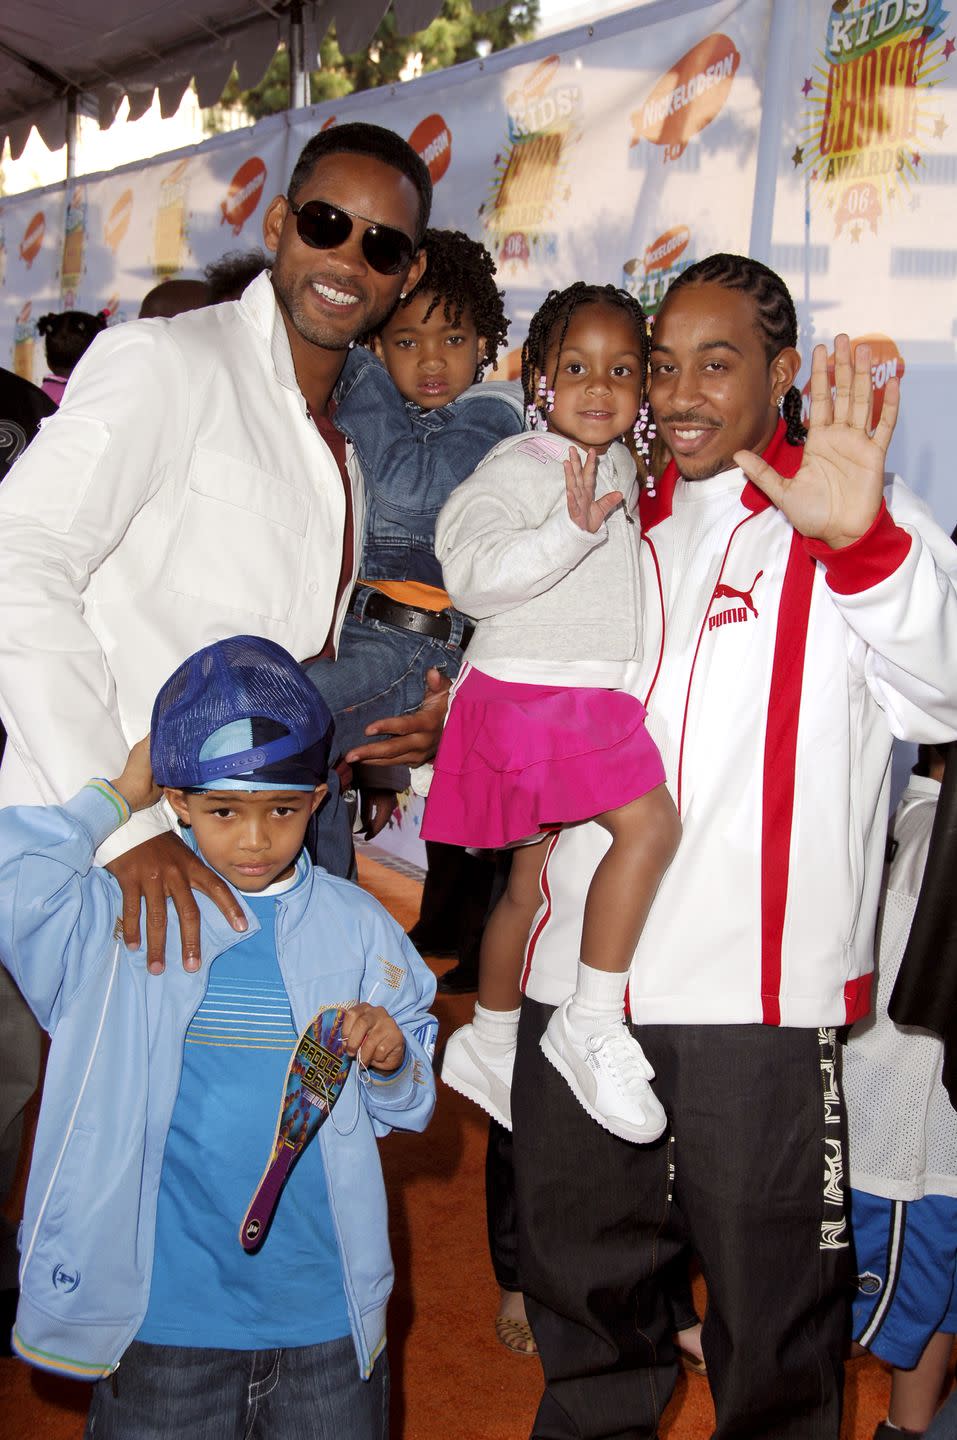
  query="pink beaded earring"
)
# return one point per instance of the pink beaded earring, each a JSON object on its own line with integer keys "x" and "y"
{"x": 544, "y": 403}
{"x": 645, "y": 432}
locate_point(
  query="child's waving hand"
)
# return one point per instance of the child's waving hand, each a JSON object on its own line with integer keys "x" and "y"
{"x": 587, "y": 512}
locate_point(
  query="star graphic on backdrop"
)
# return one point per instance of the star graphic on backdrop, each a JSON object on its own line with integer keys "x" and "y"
{"x": 949, "y": 48}
{"x": 915, "y": 158}
{"x": 798, "y": 157}
{"x": 940, "y": 125}
{"x": 855, "y": 234}
{"x": 915, "y": 202}
{"x": 808, "y": 86}
{"x": 830, "y": 202}
{"x": 813, "y": 174}
{"x": 892, "y": 192}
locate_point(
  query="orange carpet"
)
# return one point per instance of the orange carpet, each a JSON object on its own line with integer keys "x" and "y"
{"x": 451, "y": 1378}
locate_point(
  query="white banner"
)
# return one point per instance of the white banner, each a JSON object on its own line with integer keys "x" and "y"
{"x": 865, "y": 207}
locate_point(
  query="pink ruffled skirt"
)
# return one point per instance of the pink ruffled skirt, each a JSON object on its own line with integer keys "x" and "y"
{"x": 517, "y": 759}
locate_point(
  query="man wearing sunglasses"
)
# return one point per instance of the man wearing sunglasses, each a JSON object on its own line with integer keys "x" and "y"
{"x": 192, "y": 487}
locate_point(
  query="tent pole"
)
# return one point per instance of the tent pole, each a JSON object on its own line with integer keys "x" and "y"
{"x": 72, "y": 133}
{"x": 298, "y": 74}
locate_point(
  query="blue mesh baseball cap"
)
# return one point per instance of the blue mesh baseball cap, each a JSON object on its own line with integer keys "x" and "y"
{"x": 240, "y": 714}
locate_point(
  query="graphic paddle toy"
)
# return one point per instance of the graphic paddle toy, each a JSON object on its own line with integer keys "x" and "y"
{"x": 314, "y": 1081}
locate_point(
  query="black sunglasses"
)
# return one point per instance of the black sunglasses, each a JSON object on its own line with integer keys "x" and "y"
{"x": 326, "y": 227}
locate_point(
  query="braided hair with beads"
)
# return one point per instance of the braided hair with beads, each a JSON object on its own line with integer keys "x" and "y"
{"x": 554, "y": 314}
{"x": 774, "y": 308}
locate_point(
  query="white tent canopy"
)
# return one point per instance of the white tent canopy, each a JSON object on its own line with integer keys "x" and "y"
{"x": 54, "y": 52}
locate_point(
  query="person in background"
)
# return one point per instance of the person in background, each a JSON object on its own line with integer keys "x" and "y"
{"x": 228, "y": 277}
{"x": 22, "y": 408}
{"x": 902, "y": 1149}
{"x": 68, "y": 337}
{"x": 173, "y": 297}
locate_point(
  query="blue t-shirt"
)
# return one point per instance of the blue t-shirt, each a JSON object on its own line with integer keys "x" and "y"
{"x": 206, "y": 1289}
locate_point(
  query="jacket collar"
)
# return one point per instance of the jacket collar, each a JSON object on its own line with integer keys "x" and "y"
{"x": 785, "y": 458}
{"x": 261, "y": 309}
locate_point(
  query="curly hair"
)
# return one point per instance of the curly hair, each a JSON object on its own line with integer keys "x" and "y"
{"x": 774, "y": 308}
{"x": 460, "y": 276}
{"x": 227, "y": 277}
{"x": 555, "y": 313}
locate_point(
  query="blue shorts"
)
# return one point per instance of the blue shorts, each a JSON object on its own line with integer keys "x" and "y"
{"x": 906, "y": 1273}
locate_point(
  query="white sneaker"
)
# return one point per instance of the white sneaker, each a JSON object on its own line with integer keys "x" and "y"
{"x": 608, "y": 1074}
{"x": 481, "y": 1072}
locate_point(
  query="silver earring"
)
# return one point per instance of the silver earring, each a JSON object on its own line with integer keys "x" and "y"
{"x": 780, "y": 404}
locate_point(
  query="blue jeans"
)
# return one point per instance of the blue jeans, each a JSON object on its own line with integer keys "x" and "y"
{"x": 329, "y": 835}
{"x": 944, "y": 1424}
{"x": 379, "y": 672}
{"x": 169, "y": 1392}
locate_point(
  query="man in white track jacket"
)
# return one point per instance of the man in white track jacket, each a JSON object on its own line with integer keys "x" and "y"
{"x": 791, "y": 631}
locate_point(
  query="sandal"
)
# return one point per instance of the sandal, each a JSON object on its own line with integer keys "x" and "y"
{"x": 515, "y": 1335}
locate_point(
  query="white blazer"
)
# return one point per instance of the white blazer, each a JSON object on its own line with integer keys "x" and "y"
{"x": 180, "y": 494}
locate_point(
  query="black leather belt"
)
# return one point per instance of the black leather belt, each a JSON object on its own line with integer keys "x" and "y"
{"x": 437, "y": 624}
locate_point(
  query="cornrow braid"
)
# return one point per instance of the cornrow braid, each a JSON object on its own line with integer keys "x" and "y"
{"x": 556, "y": 311}
{"x": 460, "y": 275}
{"x": 777, "y": 319}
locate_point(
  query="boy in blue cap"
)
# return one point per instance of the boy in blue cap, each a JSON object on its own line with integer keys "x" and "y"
{"x": 162, "y": 1095}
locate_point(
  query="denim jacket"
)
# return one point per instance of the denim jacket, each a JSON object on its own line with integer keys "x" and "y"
{"x": 412, "y": 460}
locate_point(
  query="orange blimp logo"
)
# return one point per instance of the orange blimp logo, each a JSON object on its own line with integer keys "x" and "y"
{"x": 541, "y": 77}
{"x": 118, "y": 221}
{"x": 688, "y": 97}
{"x": 887, "y": 363}
{"x": 244, "y": 193}
{"x": 33, "y": 239}
{"x": 432, "y": 140}
{"x": 663, "y": 252}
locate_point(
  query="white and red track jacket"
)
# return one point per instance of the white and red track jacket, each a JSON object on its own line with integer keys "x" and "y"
{"x": 777, "y": 673}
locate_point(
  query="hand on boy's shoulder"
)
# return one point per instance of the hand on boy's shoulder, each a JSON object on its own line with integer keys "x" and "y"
{"x": 162, "y": 869}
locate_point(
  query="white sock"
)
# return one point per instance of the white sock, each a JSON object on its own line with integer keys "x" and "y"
{"x": 598, "y": 1001}
{"x": 496, "y": 1027}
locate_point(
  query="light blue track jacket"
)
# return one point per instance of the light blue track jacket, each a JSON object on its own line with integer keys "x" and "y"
{"x": 114, "y": 1071}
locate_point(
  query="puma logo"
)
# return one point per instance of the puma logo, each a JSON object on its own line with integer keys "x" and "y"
{"x": 728, "y": 592}
{"x": 739, "y": 613}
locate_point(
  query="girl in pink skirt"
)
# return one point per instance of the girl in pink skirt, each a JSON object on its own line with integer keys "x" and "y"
{"x": 540, "y": 546}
